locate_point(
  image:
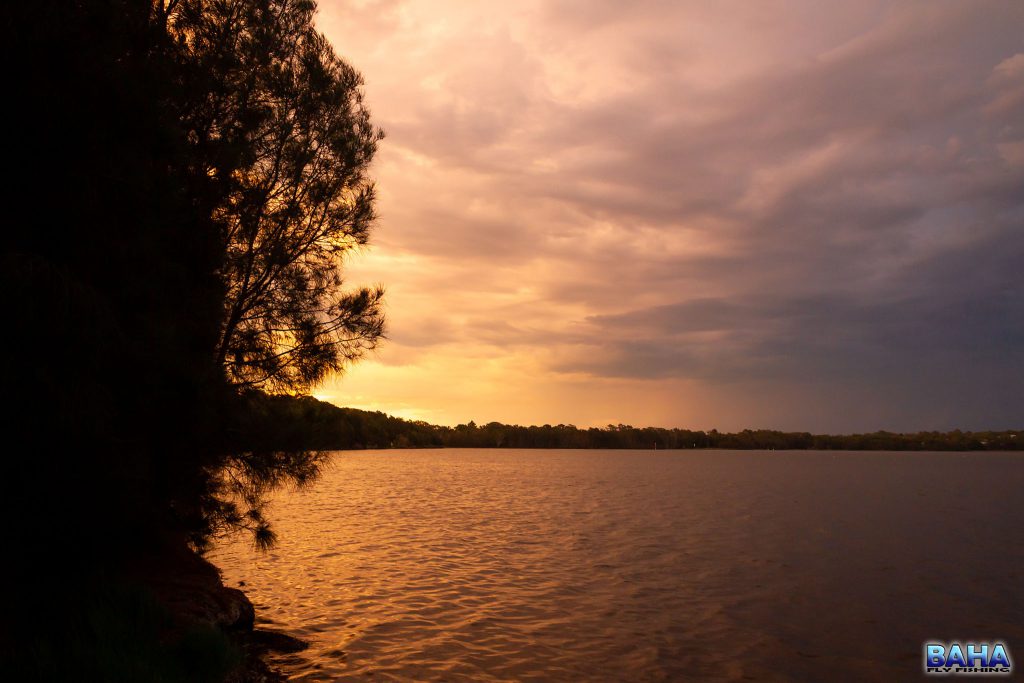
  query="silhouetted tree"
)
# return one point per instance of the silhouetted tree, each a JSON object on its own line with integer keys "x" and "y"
{"x": 190, "y": 174}
{"x": 183, "y": 178}
{"x": 278, "y": 121}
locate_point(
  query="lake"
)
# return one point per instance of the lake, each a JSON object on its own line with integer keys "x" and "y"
{"x": 497, "y": 565}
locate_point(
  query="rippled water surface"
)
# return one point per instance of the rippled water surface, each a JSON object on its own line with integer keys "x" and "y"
{"x": 640, "y": 565}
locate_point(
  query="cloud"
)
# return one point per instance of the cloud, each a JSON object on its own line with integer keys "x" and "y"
{"x": 725, "y": 198}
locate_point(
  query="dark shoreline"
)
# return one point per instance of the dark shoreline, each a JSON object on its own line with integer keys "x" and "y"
{"x": 190, "y": 587}
{"x": 158, "y": 613}
{"x": 313, "y": 424}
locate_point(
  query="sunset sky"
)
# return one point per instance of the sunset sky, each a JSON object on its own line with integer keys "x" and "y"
{"x": 793, "y": 215}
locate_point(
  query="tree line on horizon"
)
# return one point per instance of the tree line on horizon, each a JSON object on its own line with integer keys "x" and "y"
{"x": 307, "y": 422}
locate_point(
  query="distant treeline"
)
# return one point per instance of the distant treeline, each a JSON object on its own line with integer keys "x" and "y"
{"x": 305, "y": 422}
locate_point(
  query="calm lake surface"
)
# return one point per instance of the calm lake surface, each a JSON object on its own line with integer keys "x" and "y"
{"x": 491, "y": 565}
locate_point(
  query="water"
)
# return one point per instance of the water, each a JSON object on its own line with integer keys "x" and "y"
{"x": 496, "y": 565}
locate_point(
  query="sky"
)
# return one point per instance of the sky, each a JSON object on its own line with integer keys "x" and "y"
{"x": 790, "y": 215}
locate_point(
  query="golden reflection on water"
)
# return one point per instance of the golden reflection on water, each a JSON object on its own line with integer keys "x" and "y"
{"x": 638, "y": 565}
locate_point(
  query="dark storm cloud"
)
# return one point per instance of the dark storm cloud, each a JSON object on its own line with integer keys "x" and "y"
{"x": 953, "y": 331}
{"x": 874, "y": 180}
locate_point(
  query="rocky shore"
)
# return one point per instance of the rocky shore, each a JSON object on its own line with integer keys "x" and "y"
{"x": 191, "y": 590}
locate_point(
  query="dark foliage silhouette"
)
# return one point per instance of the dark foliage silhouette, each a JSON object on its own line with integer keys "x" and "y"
{"x": 185, "y": 178}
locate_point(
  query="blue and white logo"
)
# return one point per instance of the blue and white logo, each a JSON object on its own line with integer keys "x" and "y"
{"x": 968, "y": 657}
